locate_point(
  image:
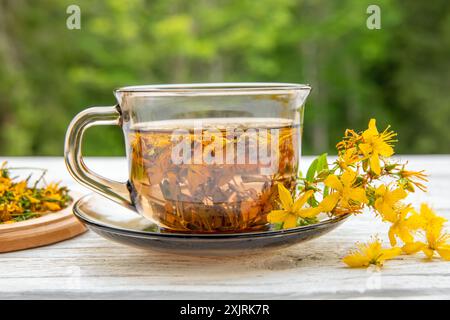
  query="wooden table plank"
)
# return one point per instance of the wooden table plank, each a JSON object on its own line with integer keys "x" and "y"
{"x": 91, "y": 267}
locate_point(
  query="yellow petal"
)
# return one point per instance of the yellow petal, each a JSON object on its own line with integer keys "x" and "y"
{"x": 426, "y": 211}
{"x": 428, "y": 252}
{"x": 444, "y": 252}
{"x": 391, "y": 234}
{"x": 371, "y": 249}
{"x": 356, "y": 260}
{"x": 329, "y": 202}
{"x": 386, "y": 211}
{"x": 397, "y": 195}
{"x": 290, "y": 222}
{"x": 371, "y": 131}
{"x": 413, "y": 247}
{"x": 308, "y": 213}
{"x": 378, "y": 205}
{"x": 285, "y": 197}
{"x": 373, "y": 125}
{"x": 333, "y": 182}
{"x": 429, "y": 217}
{"x": 300, "y": 202}
{"x": 365, "y": 148}
{"x": 385, "y": 150}
{"x": 52, "y": 206}
{"x": 387, "y": 254}
{"x": 359, "y": 195}
{"x": 32, "y": 199}
{"x": 348, "y": 177}
{"x": 375, "y": 163}
{"x": 381, "y": 190}
{"x": 277, "y": 216}
{"x": 415, "y": 221}
{"x": 437, "y": 226}
{"x": 405, "y": 235}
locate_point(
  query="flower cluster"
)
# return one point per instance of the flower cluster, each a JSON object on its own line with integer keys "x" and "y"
{"x": 365, "y": 176}
{"x": 19, "y": 201}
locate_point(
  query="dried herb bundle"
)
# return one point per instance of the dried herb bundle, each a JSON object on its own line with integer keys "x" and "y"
{"x": 19, "y": 200}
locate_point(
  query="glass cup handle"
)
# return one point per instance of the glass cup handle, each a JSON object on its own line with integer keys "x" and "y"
{"x": 113, "y": 190}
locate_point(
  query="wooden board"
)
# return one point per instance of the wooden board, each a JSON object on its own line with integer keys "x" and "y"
{"x": 50, "y": 228}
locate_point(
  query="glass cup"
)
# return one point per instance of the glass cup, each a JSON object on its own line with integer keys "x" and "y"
{"x": 203, "y": 158}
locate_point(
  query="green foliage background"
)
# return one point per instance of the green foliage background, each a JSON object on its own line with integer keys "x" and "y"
{"x": 399, "y": 74}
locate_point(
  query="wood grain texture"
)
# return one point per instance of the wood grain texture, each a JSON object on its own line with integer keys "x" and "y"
{"x": 48, "y": 229}
{"x": 89, "y": 267}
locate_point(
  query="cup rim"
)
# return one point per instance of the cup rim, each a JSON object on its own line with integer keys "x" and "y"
{"x": 199, "y": 88}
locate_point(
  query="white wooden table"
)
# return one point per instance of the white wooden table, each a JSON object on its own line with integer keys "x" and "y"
{"x": 89, "y": 267}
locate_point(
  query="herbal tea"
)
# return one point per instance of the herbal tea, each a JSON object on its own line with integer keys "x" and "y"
{"x": 211, "y": 175}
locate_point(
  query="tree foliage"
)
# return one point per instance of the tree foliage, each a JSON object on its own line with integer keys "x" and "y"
{"x": 398, "y": 74}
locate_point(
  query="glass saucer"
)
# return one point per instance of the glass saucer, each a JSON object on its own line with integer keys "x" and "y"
{"x": 122, "y": 225}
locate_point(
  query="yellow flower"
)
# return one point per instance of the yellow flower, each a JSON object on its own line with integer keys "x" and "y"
{"x": 345, "y": 195}
{"x": 436, "y": 239}
{"x": 18, "y": 200}
{"x": 402, "y": 225}
{"x": 370, "y": 253}
{"x": 5, "y": 182}
{"x": 376, "y": 144}
{"x": 19, "y": 189}
{"x": 3, "y": 188}
{"x": 350, "y": 140}
{"x": 32, "y": 199}
{"x": 292, "y": 210}
{"x": 4, "y": 214}
{"x": 387, "y": 201}
{"x": 428, "y": 219}
{"x": 9, "y": 208}
{"x": 52, "y": 206}
{"x": 51, "y": 188}
{"x": 52, "y": 192}
{"x": 348, "y": 158}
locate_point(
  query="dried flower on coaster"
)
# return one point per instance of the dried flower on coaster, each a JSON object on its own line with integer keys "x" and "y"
{"x": 20, "y": 200}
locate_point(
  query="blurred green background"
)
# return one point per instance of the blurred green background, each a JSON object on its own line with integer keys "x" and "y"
{"x": 399, "y": 74}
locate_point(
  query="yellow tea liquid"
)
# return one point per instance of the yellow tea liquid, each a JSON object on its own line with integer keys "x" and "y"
{"x": 211, "y": 175}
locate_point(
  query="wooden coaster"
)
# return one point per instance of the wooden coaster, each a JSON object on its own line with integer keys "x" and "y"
{"x": 50, "y": 228}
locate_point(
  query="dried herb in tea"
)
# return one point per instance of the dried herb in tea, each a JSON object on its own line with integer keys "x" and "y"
{"x": 220, "y": 178}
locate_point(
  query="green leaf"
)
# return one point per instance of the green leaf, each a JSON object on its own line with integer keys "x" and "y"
{"x": 319, "y": 164}
{"x": 365, "y": 165}
{"x": 326, "y": 191}
{"x": 306, "y": 221}
{"x": 311, "y": 171}
{"x": 277, "y": 226}
{"x": 313, "y": 202}
{"x": 322, "y": 162}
